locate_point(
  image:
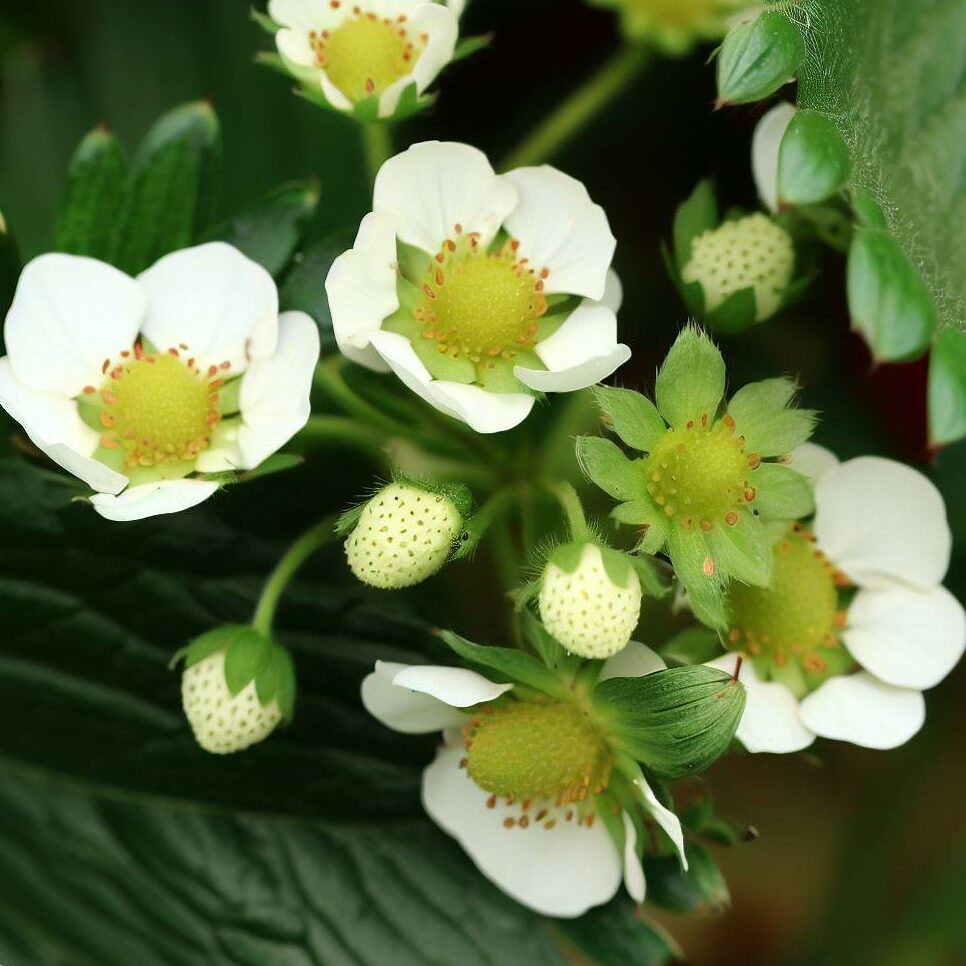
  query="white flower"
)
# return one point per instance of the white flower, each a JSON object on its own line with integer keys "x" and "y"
{"x": 136, "y": 385}
{"x": 765, "y": 143}
{"x": 478, "y": 289}
{"x": 853, "y": 673}
{"x": 367, "y": 48}
{"x": 554, "y": 858}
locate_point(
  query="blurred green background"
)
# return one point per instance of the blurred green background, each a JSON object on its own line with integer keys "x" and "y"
{"x": 861, "y": 856}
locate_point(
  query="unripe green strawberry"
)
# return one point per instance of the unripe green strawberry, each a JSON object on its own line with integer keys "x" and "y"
{"x": 590, "y": 599}
{"x": 236, "y": 688}
{"x": 751, "y": 252}
{"x": 405, "y": 534}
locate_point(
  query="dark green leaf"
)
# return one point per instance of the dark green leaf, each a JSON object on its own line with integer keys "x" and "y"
{"x": 701, "y": 889}
{"x": 93, "y": 198}
{"x": 618, "y": 934}
{"x": 676, "y": 722}
{"x": 813, "y": 161}
{"x": 947, "y": 389}
{"x": 633, "y": 417}
{"x": 695, "y": 215}
{"x": 888, "y": 301}
{"x": 270, "y": 230}
{"x": 171, "y": 193}
{"x": 691, "y": 380}
{"x": 756, "y": 58}
{"x": 606, "y": 466}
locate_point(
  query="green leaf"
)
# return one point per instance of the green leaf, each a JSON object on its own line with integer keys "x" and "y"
{"x": 676, "y": 722}
{"x": 606, "y": 466}
{"x": 633, "y": 417}
{"x": 695, "y": 215}
{"x": 742, "y": 551}
{"x": 702, "y": 889}
{"x": 782, "y": 493}
{"x": 617, "y": 934}
{"x": 888, "y": 300}
{"x": 764, "y": 413}
{"x": 947, "y": 389}
{"x": 813, "y": 160}
{"x": 269, "y": 231}
{"x": 515, "y": 665}
{"x": 758, "y": 57}
{"x": 693, "y": 645}
{"x": 691, "y": 381}
{"x": 93, "y": 197}
{"x": 171, "y": 193}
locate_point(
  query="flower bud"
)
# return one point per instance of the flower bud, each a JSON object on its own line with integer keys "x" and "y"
{"x": 749, "y": 253}
{"x": 590, "y": 599}
{"x": 405, "y": 534}
{"x": 236, "y": 688}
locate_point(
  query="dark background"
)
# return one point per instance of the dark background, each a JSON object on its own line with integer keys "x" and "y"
{"x": 862, "y": 855}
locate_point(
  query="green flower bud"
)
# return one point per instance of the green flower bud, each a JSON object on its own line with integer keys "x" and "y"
{"x": 405, "y": 534}
{"x": 756, "y": 58}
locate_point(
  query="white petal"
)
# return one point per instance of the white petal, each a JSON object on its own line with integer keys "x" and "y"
{"x": 294, "y": 46}
{"x": 332, "y": 93}
{"x": 153, "y": 499}
{"x": 582, "y": 352}
{"x": 402, "y": 709}
{"x": 223, "y": 453}
{"x": 455, "y": 686}
{"x": 562, "y": 871}
{"x": 560, "y": 229}
{"x": 68, "y": 315}
{"x": 665, "y": 818}
{"x": 457, "y": 6}
{"x": 877, "y": 519}
{"x": 633, "y": 869}
{"x": 307, "y": 14}
{"x": 908, "y": 638}
{"x": 812, "y": 460}
{"x": 485, "y": 412}
{"x": 274, "y": 394}
{"x": 772, "y": 719}
{"x": 865, "y": 711}
{"x": 54, "y": 426}
{"x": 214, "y": 300}
{"x": 613, "y": 297}
{"x": 361, "y": 289}
{"x": 764, "y": 152}
{"x": 440, "y": 25}
{"x": 436, "y": 185}
{"x": 634, "y": 661}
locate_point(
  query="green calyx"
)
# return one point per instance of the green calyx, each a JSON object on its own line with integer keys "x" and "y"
{"x": 537, "y": 750}
{"x": 474, "y": 312}
{"x": 791, "y": 629}
{"x": 249, "y": 656}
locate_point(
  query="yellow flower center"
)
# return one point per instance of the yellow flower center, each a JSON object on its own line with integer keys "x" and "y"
{"x": 480, "y": 305}
{"x": 158, "y": 408}
{"x": 366, "y": 54}
{"x": 534, "y": 751}
{"x": 699, "y": 474}
{"x": 796, "y": 619}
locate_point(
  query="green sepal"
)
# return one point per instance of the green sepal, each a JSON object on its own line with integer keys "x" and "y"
{"x": 567, "y": 556}
{"x": 607, "y": 467}
{"x": 265, "y": 22}
{"x": 813, "y": 160}
{"x": 276, "y": 463}
{"x": 676, "y": 722}
{"x": 217, "y": 639}
{"x": 246, "y": 658}
{"x": 269, "y": 231}
{"x": 633, "y": 417}
{"x": 617, "y": 565}
{"x": 690, "y": 556}
{"x": 654, "y": 581}
{"x": 702, "y": 889}
{"x": 647, "y": 514}
{"x": 515, "y": 665}
{"x": 477, "y": 526}
{"x": 93, "y": 198}
{"x": 691, "y": 381}
{"x": 765, "y": 414}
{"x": 349, "y": 520}
{"x": 742, "y": 552}
{"x": 693, "y": 645}
{"x": 947, "y": 388}
{"x": 280, "y": 670}
{"x": 757, "y": 58}
{"x": 468, "y": 46}
{"x": 695, "y": 215}
{"x": 549, "y": 649}
{"x": 889, "y": 303}
{"x": 782, "y": 493}
{"x": 691, "y": 292}
{"x": 170, "y": 196}
{"x": 739, "y": 311}
{"x": 457, "y": 493}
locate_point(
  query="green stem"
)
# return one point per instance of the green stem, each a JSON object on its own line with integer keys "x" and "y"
{"x": 329, "y": 379}
{"x": 583, "y": 104}
{"x": 340, "y": 431}
{"x": 572, "y": 507}
{"x": 313, "y": 539}
{"x": 376, "y": 146}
